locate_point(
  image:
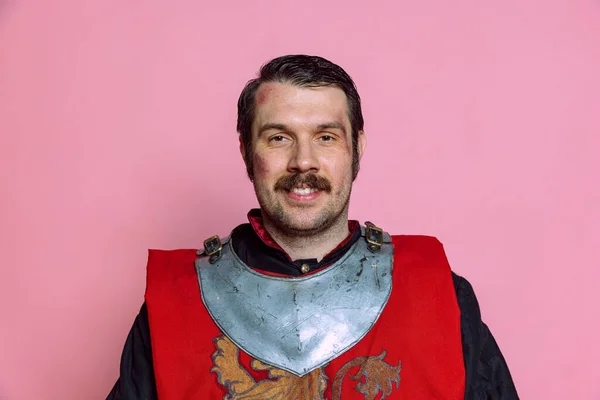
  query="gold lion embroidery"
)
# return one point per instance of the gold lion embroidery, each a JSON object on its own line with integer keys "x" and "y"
{"x": 378, "y": 375}
{"x": 282, "y": 385}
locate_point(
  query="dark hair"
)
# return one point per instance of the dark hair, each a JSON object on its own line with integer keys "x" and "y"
{"x": 299, "y": 70}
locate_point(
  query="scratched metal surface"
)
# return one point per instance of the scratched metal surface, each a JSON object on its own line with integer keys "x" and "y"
{"x": 297, "y": 324}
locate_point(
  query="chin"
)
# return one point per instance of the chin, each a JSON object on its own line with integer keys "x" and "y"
{"x": 308, "y": 222}
{"x": 299, "y": 223}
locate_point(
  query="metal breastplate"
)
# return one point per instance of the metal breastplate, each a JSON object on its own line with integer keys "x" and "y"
{"x": 297, "y": 324}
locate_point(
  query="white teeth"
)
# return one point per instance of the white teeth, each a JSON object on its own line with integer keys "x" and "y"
{"x": 304, "y": 191}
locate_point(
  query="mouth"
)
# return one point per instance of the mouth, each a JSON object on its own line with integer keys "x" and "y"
{"x": 303, "y": 193}
{"x": 302, "y": 187}
{"x": 303, "y": 190}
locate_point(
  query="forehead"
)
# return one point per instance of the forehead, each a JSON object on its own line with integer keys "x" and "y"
{"x": 285, "y": 103}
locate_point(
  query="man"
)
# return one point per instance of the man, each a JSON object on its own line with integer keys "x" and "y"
{"x": 301, "y": 303}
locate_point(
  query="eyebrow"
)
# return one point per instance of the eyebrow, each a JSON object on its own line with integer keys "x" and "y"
{"x": 266, "y": 127}
{"x": 332, "y": 125}
{"x": 283, "y": 127}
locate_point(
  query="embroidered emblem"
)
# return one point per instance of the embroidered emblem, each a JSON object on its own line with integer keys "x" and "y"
{"x": 378, "y": 375}
{"x": 281, "y": 385}
{"x": 374, "y": 377}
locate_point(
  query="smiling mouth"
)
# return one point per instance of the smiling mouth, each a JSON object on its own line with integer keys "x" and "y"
{"x": 303, "y": 190}
{"x": 303, "y": 186}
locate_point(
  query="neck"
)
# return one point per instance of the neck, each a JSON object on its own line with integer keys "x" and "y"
{"x": 317, "y": 245}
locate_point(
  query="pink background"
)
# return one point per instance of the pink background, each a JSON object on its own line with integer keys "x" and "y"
{"x": 117, "y": 124}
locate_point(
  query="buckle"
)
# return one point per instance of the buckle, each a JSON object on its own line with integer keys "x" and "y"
{"x": 374, "y": 237}
{"x": 212, "y": 248}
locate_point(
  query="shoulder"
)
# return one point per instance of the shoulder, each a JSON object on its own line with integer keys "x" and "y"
{"x": 427, "y": 249}
{"x": 170, "y": 259}
{"x": 416, "y": 241}
{"x": 166, "y": 255}
{"x": 465, "y": 295}
{"x": 170, "y": 252}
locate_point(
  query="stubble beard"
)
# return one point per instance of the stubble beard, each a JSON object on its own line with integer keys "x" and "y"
{"x": 333, "y": 213}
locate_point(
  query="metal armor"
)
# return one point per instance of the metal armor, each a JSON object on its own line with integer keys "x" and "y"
{"x": 302, "y": 323}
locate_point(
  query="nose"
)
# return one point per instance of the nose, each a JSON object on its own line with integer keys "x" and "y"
{"x": 304, "y": 157}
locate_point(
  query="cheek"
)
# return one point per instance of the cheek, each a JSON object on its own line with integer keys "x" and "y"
{"x": 262, "y": 167}
{"x": 338, "y": 165}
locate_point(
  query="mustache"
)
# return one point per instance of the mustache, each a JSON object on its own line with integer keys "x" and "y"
{"x": 312, "y": 180}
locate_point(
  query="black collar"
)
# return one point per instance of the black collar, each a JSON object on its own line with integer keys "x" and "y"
{"x": 257, "y": 254}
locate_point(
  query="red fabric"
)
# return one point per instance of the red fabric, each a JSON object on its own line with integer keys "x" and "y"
{"x": 181, "y": 329}
{"x": 255, "y": 219}
{"x": 420, "y": 327}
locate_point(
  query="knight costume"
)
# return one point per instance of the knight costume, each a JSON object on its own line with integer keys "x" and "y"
{"x": 379, "y": 317}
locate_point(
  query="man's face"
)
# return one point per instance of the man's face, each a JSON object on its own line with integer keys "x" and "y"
{"x": 302, "y": 156}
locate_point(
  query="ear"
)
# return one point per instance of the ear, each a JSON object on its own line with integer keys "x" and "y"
{"x": 362, "y": 144}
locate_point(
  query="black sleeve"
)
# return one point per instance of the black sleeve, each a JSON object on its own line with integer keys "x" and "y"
{"x": 487, "y": 374}
{"x": 136, "y": 380}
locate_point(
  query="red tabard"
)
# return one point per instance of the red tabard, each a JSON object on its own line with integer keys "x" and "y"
{"x": 413, "y": 351}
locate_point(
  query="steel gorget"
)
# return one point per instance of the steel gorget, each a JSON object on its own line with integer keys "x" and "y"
{"x": 297, "y": 324}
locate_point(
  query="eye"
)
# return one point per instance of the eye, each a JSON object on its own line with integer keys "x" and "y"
{"x": 326, "y": 138}
{"x": 278, "y": 138}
